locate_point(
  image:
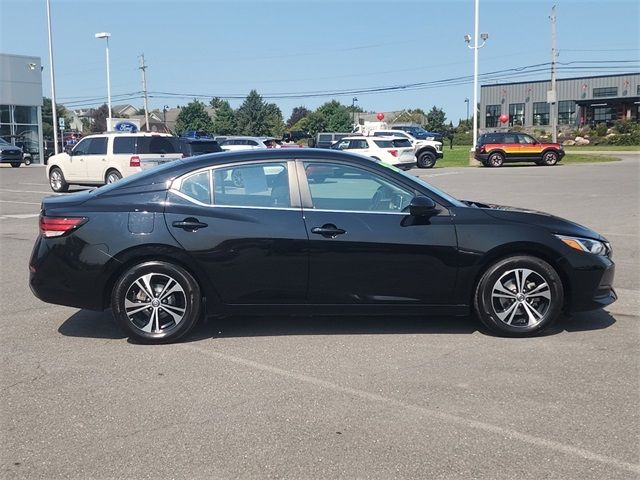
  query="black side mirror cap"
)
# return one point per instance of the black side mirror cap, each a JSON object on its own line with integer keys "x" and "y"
{"x": 422, "y": 206}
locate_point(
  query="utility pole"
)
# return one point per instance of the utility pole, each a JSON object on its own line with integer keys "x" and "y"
{"x": 54, "y": 113}
{"x": 552, "y": 97}
{"x": 143, "y": 67}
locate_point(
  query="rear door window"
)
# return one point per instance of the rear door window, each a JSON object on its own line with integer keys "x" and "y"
{"x": 124, "y": 145}
{"x": 401, "y": 143}
{"x": 198, "y": 187}
{"x": 383, "y": 143}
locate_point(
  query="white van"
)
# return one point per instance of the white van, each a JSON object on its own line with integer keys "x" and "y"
{"x": 108, "y": 157}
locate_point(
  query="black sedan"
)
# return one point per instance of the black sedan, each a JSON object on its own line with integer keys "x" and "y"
{"x": 167, "y": 246}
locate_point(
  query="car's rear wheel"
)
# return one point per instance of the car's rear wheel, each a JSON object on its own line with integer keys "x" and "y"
{"x": 57, "y": 181}
{"x": 496, "y": 159}
{"x": 519, "y": 296}
{"x": 156, "y": 302}
{"x": 426, "y": 160}
{"x": 549, "y": 159}
{"x": 112, "y": 176}
{"x": 27, "y": 160}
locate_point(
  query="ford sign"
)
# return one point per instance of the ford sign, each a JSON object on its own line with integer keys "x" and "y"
{"x": 125, "y": 126}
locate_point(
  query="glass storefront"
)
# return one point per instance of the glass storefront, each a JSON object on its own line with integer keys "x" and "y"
{"x": 19, "y": 125}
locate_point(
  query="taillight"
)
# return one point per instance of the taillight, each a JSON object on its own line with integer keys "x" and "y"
{"x": 58, "y": 226}
{"x": 393, "y": 152}
{"x": 134, "y": 161}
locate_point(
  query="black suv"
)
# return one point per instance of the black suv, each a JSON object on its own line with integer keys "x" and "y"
{"x": 190, "y": 147}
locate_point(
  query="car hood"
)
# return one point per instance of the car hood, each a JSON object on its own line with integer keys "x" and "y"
{"x": 546, "y": 220}
{"x": 10, "y": 148}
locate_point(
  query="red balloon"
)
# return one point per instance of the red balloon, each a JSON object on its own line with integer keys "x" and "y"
{"x": 504, "y": 118}
{"x": 380, "y": 116}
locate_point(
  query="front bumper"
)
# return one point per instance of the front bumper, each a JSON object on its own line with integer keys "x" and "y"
{"x": 590, "y": 283}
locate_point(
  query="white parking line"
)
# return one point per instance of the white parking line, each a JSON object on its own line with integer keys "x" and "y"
{"x": 19, "y": 216}
{"x": 439, "y": 174}
{"x": 30, "y": 191}
{"x": 23, "y": 203}
{"x": 426, "y": 412}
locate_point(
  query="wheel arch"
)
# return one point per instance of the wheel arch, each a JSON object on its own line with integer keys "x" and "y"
{"x": 109, "y": 170}
{"x": 551, "y": 149}
{"x": 158, "y": 252}
{"x": 523, "y": 248}
{"x": 426, "y": 148}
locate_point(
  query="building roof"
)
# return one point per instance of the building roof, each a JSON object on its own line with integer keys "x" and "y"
{"x": 561, "y": 79}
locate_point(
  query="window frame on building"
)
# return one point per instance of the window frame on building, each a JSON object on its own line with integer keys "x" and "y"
{"x": 492, "y": 116}
{"x": 566, "y": 116}
{"x": 604, "y": 92}
{"x": 541, "y": 117}
{"x": 516, "y": 114}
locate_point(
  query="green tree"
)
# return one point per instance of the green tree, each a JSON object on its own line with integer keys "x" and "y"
{"x": 98, "y": 118}
{"x": 194, "y": 117}
{"x": 297, "y": 114}
{"x": 225, "y": 119}
{"x": 436, "y": 120}
{"x": 47, "y": 117}
{"x": 274, "y": 120}
{"x": 251, "y": 117}
{"x": 216, "y": 102}
{"x": 329, "y": 117}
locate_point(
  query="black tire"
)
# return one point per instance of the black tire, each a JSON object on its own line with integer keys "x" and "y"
{"x": 173, "y": 293}
{"x": 549, "y": 158}
{"x": 426, "y": 160}
{"x": 16, "y": 164}
{"x": 496, "y": 159}
{"x": 57, "y": 181}
{"x": 112, "y": 176}
{"x": 507, "y": 309}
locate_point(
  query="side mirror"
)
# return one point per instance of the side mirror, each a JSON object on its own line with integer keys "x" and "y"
{"x": 422, "y": 206}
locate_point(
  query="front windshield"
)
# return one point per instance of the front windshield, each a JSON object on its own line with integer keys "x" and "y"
{"x": 4, "y": 142}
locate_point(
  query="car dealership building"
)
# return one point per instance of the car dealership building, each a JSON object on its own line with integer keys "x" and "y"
{"x": 580, "y": 101}
{"x": 21, "y": 103}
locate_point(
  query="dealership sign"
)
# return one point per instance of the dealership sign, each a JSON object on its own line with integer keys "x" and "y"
{"x": 124, "y": 125}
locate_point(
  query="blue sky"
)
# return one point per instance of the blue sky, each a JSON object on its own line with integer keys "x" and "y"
{"x": 227, "y": 48}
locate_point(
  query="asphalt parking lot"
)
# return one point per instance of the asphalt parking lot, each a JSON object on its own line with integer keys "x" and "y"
{"x": 336, "y": 397}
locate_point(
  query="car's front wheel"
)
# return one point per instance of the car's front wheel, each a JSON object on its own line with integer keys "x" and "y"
{"x": 156, "y": 302}
{"x": 57, "y": 181}
{"x": 549, "y": 159}
{"x": 519, "y": 296}
{"x": 426, "y": 160}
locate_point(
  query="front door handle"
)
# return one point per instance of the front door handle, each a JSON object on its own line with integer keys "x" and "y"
{"x": 189, "y": 224}
{"x": 328, "y": 231}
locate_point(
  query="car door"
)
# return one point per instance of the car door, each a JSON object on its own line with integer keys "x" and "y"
{"x": 364, "y": 246}
{"x": 529, "y": 147}
{"x": 250, "y": 238}
{"x": 96, "y": 160}
{"x": 75, "y": 168}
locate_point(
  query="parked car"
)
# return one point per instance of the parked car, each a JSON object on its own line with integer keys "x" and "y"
{"x": 108, "y": 157}
{"x": 247, "y": 143}
{"x": 178, "y": 242}
{"x": 418, "y": 132}
{"x": 326, "y": 139}
{"x": 494, "y": 149}
{"x": 427, "y": 152}
{"x": 10, "y": 153}
{"x": 190, "y": 146}
{"x": 390, "y": 150}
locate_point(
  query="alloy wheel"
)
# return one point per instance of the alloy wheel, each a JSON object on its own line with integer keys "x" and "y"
{"x": 155, "y": 303}
{"x": 521, "y": 297}
{"x": 55, "y": 179}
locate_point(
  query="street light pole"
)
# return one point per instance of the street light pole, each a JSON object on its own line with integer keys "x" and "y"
{"x": 475, "y": 48}
{"x": 353, "y": 111}
{"x": 106, "y": 36}
{"x": 54, "y": 113}
{"x": 466, "y": 100}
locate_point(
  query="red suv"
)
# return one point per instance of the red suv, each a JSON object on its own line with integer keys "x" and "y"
{"x": 494, "y": 149}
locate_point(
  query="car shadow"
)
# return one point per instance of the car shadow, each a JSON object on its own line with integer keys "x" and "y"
{"x": 90, "y": 324}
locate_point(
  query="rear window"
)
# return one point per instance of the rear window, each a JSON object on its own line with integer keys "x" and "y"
{"x": 401, "y": 143}
{"x": 124, "y": 145}
{"x": 198, "y": 148}
{"x": 384, "y": 143}
{"x": 158, "y": 145}
{"x": 325, "y": 138}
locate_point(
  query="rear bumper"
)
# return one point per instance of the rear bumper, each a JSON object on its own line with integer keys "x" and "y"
{"x": 481, "y": 157}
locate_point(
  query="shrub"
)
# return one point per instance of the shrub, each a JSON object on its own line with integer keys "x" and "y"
{"x": 622, "y": 139}
{"x": 625, "y": 126}
{"x": 601, "y": 129}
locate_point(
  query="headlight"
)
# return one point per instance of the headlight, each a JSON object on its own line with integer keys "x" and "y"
{"x": 586, "y": 245}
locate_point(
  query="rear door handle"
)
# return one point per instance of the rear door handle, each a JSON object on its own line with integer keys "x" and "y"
{"x": 328, "y": 231}
{"x": 189, "y": 224}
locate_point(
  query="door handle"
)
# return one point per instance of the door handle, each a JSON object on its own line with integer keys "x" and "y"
{"x": 189, "y": 224}
{"x": 328, "y": 231}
